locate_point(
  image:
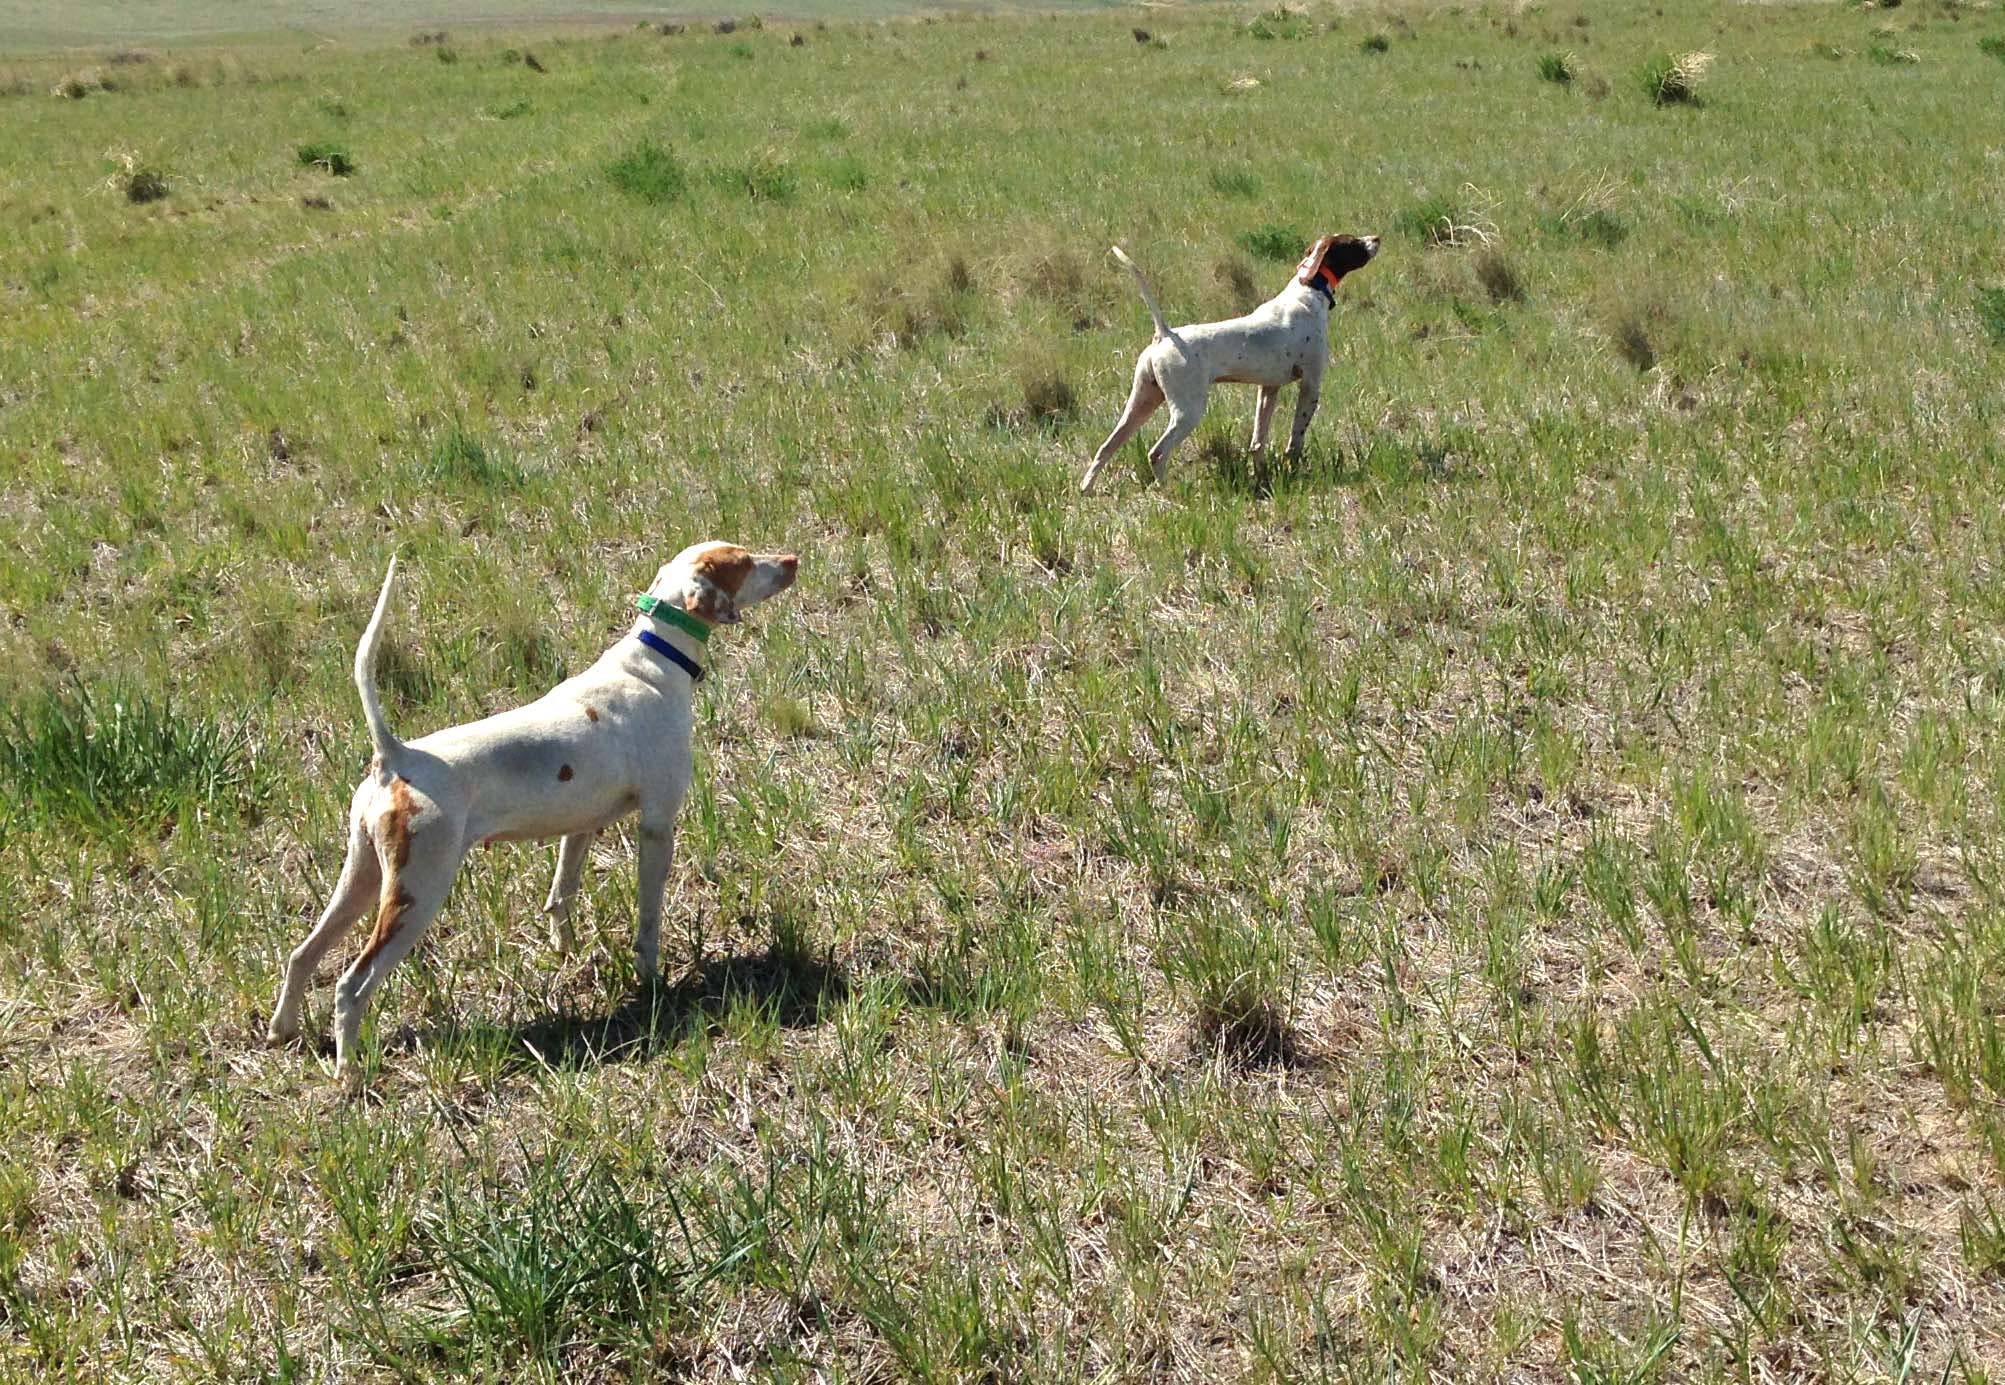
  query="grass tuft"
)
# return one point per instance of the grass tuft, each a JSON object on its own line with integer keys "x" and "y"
{"x": 329, "y": 158}
{"x": 649, "y": 172}
{"x": 1236, "y": 277}
{"x": 1449, "y": 223}
{"x": 1235, "y": 182}
{"x": 1886, "y": 55}
{"x": 1991, "y": 314}
{"x": 763, "y": 179}
{"x": 1271, "y": 242}
{"x": 1278, "y": 23}
{"x": 146, "y": 185}
{"x": 1992, "y": 45}
{"x": 571, "y": 1253}
{"x": 119, "y": 762}
{"x": 1374, "y": 43}
{"x": 1670, "y": 81}
{"x": 1499, "y": 277}
{"x": 1560, "y": 68}
{"x": 459, "y": 457}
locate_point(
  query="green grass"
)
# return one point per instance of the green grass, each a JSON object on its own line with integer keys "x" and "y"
{"x": 1513, "y": 893}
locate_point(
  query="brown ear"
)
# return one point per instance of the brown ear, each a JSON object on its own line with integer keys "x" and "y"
{"x": 711, "y": 603}
{"x": 1311, "y": 262}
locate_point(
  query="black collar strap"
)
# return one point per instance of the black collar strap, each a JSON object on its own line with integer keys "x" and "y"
{"x": 671, "y": 653}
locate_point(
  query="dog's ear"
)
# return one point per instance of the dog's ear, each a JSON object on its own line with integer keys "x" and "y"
{"x": 1305, "y": 272}
{"x": 707, "y": 601}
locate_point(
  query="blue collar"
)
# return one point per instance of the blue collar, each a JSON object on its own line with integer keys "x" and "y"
{"x": 671, "y": 653}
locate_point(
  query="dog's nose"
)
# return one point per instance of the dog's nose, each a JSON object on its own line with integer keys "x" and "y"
{"x": 1371, "y": 244}
{"x": 790, "y": 561}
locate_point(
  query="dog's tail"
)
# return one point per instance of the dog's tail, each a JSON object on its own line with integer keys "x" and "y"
{"x": 1155, "y": 312}
{"x": 387, "y": 744}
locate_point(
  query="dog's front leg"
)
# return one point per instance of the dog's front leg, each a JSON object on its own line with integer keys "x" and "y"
{"x": 1263, "y": 416}
{"x": 657, "y": 854}
{"x": 570, "y": 865}
{"x": 1307, "y": 395}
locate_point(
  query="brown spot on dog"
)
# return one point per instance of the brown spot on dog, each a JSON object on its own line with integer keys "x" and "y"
{"x": 592, "y": 713}
{"x": 393, "y": 843}
{"x": 396, "y": 828}
{"x": 564, "y": 774}
{"x": 389, "y": 918}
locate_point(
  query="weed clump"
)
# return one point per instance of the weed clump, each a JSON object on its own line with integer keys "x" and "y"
{"x": 1374, "y": 43}
{"x": 1235, "y": 182}
{"x": 763, "y": 179}
{"x": 1235, "y": 276}
{"x": 1236, "y": 976}
{"x": 330, "y": 158}
{"x": 1635, "y": 332}
{"x": 1991, "y": 314}
{"x": 1559, "y": 68}
{"x": 458, "y": 456}
{"x": 1278, "y": 23}
{"x": 145, "y": 185}
{"x": 1443, "y": 222}
{"x": 1887, "y": 56}
{"x": 1672, "y": 81}
{"x": 1271, "y": 242}
{"x": 119, "y": 762}
{"x": 1992, "y": 46}
{"x": 910, "y": 308}
{"x": 1499, "y": 277}
{"x": 649, "y": 172}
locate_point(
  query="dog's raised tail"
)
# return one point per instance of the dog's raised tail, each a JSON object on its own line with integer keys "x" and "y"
{"x": 1155, "y": 312}
{"x": 387, "y": 744}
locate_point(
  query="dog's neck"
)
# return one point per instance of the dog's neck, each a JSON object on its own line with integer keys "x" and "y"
{"x": 672, "y": 635}
{"x": 1323, "y": 284}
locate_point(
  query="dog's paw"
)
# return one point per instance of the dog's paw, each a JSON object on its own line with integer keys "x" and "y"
{"x": 281, "y": 1031}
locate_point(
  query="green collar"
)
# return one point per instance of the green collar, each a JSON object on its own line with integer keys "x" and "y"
{"x": 672, "y": 615}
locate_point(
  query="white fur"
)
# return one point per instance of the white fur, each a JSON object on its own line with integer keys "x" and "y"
{"x": 612, "y": 741}
{"x": 1284, "y": 340}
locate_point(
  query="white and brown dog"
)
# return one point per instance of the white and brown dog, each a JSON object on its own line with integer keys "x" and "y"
{"x": 1284, "y": 340}
{"x": 612, "y": 741}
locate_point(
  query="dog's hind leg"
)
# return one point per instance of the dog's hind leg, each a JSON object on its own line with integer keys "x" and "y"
{"x": 1183, "y": 419}
{"x": 360, "y": 873}
{"x": 570, "y": 865}
{"x": 1143, "y": 400}
{"x": 420, "y": 859}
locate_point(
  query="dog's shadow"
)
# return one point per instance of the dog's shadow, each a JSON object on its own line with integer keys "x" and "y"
{"x": 1390, "y": 459}
{"x": 790, "y": 989}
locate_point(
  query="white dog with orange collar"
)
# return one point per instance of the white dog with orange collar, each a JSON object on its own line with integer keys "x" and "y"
{"x": 1284, "y": 340}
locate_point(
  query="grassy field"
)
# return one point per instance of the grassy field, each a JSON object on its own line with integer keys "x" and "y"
{"x": 1519, "y": 894}
{"x": 33, "y": 26}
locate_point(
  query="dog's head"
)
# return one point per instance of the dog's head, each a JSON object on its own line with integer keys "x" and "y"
{"x": 718, "y": 582}
{"x": 1332, "y": 257}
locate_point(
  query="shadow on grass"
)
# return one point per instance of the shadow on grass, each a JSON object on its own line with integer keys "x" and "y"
{"x": 1391, "y": 460}
{"x": 791, "y": 988}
